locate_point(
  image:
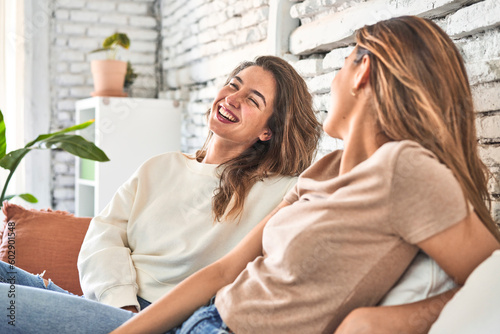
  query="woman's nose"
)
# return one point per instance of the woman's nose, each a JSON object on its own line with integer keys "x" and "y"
{"x": 233, "y": 99}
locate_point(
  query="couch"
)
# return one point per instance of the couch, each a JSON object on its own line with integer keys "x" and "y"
{"x": 46, "y": 241}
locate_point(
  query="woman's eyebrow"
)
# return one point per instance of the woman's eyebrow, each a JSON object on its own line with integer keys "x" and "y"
{"x": 256, "y": 92}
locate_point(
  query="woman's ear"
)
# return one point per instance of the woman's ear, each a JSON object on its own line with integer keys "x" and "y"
{"x": 266, "y": 135}
{"x": 362, "y": 76}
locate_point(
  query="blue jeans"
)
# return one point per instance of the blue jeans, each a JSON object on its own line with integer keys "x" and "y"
{"x": 27, "y": 306}
{"x": 206, "y": 320}
{"x": 18, "y": 276}
{"x": 13, "y": 275}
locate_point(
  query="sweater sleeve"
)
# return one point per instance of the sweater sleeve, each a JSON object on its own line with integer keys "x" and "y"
{"x": 105, "y": 266}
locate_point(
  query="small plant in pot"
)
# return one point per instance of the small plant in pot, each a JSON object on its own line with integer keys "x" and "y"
{"x": 109, "y": 74}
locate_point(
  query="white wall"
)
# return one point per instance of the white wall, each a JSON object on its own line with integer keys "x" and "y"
{"x": 76, "y": 28}
{"x": 24, "y": 93}
{"x": 37, "y": 98}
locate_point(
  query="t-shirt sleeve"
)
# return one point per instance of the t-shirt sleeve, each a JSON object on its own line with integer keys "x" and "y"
{"x": 425, "y": 195}
{"x": 292, "y": 195}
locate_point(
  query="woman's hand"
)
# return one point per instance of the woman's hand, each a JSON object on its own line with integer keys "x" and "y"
{"x": 130, "y": 308}
{"x": 364, "y": 320}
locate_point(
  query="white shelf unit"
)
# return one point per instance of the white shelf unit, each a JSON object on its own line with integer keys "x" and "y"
{"x": 129, "y": 131}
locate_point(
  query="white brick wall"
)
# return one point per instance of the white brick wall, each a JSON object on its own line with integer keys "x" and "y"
{"x": 192, "y": 45}
{"x": 474, "y": 28}
{"x": 321, "y": 43}
{"x": 77, "y": 28}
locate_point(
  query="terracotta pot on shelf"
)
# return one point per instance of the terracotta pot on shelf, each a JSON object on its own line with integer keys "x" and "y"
{"x": 109, "y": 77}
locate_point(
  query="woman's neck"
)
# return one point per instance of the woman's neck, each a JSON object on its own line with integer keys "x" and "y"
{"x": 220, "y": 151}
{"x": 363, "y": 138}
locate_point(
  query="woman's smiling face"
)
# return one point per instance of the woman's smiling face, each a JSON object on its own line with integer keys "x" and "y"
{"x": 242, "y": 108}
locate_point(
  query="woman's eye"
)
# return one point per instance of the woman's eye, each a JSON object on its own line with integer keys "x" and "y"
{"x": 254, "y": 102}
{"x": 233, "y": 85}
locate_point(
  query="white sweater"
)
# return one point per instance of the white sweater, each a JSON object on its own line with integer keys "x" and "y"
{"x": 157, "y": 230}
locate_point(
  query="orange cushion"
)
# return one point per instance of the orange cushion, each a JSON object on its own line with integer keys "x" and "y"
{"x": 44, "y": 240}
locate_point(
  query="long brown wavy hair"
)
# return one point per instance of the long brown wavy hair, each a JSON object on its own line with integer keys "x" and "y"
{"x": 421, "y": 92}
{"x": 295, "y": 134}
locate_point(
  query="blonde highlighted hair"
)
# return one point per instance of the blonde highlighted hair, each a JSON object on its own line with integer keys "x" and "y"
{"x": 421, "y": 92}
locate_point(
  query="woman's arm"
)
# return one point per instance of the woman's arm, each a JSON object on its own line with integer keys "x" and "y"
{"x": 461, "y": 248}
{"x": 415, "y": 317}
{"x": 195, "y": 291}
{"x": 106, "y": 249}
{"x": 458, "y": 250}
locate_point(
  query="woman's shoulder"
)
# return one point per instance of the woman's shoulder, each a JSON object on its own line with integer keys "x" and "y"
{"x": 161, "y": 161}
{"x": 410, "y": 157}
{"x": 425, "y": 195}
{"x": 416, "y": 169}
{"x": 276, "y": 180}
{"x": 324, "y": 167}
{"x": 167, "y": 156}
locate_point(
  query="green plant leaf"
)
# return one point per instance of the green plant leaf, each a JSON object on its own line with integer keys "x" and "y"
{"x": 122, "y": 40}
{"x": 118, "y": 38}
{"x": 109, "y": 41}
{"x": 76, "y": 145}
{"x": 70, "y": 129}
{"x": 10, "y": 162}
{"x": 12, "y": 159}
{"x": 3, "y": 139}
{"x": 130, "y": 75}
{"x": 28, "y": 198}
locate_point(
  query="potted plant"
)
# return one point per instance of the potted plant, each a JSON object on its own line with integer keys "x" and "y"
{"x": 109, "y": 74}
{"x": 74, "y": 144}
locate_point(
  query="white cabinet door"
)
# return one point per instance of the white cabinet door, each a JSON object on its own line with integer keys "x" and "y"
{"x": 129, "y": 131}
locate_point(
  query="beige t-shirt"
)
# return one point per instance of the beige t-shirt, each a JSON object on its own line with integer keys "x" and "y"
{"x": 343, "y": 242}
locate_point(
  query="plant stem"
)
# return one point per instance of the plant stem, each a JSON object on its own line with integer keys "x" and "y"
{"x": 9, "y": 177}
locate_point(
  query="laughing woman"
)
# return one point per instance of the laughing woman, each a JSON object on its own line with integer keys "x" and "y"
{"x": 179, "y": 213}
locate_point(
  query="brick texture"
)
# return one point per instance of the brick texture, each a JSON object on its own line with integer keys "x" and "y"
{"x": 77, "y": 28}
{"x": 201, "y": 41}
{"x": 475, "y": 29}
{"x": 186, "y": 48}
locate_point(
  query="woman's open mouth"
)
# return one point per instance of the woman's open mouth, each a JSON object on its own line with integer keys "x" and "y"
{"x": 225, "y": 115}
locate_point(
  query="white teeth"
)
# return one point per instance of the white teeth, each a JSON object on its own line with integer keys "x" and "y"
{"x": 227, "y": 115}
